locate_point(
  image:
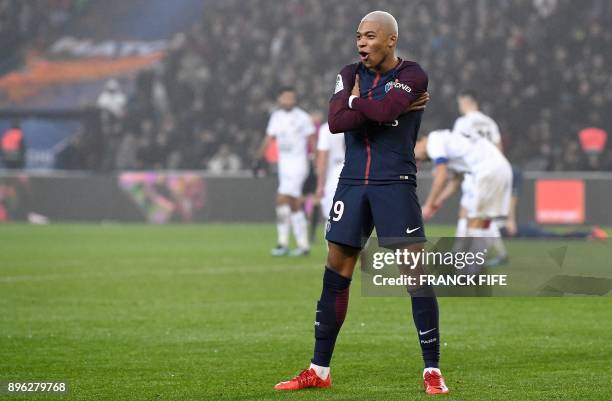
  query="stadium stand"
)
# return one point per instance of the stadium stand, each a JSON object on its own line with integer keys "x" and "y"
{"x": 31, "y": 22}
{"x": 539, "y": 66}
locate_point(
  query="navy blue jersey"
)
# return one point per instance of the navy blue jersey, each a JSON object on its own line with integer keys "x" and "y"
{"x": 379, "y": 134}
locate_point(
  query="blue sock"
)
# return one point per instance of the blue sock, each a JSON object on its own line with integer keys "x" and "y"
{"x": 426, "y": 320}
{"x": 331, "y": 311}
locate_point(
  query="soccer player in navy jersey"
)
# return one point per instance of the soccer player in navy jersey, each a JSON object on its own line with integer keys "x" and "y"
{"x": 378, "y": 103}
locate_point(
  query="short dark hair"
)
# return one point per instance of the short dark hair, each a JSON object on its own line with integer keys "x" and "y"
{"x": 286, "y": 88}
{"x": 469, "y": 93}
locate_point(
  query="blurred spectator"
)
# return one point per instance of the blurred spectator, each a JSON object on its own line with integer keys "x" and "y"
{"x": 32, "y": 21}
{"x": 224, "y": 161}
{"x": 593, "y": 142}
{"x": 126, "y": 153}
{"x": 539, "y": 65}
{"x": 73, "y": 156}
{"x": 13, "y": 147}
{"x": 112, "y": 99}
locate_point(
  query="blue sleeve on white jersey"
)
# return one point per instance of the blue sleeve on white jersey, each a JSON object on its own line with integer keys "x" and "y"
{"x": 440, "y": 160}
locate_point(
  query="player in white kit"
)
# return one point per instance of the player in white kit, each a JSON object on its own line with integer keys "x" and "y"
{"x": 475, "y": 156}
{"x": 472, "y": 123}
{"x": 330, "y": 160}
{"x": 294, "y": 132}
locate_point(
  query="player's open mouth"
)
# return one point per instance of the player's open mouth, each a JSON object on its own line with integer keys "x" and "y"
{"x": 363, "y": 56}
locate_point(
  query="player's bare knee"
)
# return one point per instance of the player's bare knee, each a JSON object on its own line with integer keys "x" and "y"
{"x": 295, "y": 204}
{"x": 424, "y": 291}
{"x": 475, "y": 223}
{"x": 283, "y": 199}
{"x": 342, "y": 259}
{"x": 342, "y": 266}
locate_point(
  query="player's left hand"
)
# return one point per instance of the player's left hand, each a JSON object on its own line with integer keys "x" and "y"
{"x": 356, "y": 89}
{"x": 419, "y": 104}
{"x": 428, "y": 211}
{"x": 511, "y": 227}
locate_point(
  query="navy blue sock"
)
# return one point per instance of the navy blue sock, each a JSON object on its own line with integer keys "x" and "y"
{"x": 331, "y": 311}
{"x": 426, "y": 320}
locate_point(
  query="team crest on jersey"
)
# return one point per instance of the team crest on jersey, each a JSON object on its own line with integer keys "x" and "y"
{"x": 339, "y": 84}
{"x": 397, "y": 85}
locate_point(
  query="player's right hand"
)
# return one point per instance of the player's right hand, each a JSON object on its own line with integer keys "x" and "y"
{"x": 259, "y": 168}
{"x": 356, "y": 89}
{"x": 419, "y": 104}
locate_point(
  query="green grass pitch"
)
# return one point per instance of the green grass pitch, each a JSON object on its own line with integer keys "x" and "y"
{"x": 135, "y": 312}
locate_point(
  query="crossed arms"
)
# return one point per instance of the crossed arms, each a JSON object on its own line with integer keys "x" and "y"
{"x": 343, "y": 118}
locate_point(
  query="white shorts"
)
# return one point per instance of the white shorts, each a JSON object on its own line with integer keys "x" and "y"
{"x": 467, "y": 192}
{"x": 331, "y": 183}
{"x": 488, "y": 196}
{"x": 291, "y": 181}
{"x": 326, "y": 203}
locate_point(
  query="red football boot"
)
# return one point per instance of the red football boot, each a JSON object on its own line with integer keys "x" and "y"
{"x": 306, "y": 379}
{"x": 598, "y": 233}
{"x": 434, "y": 382}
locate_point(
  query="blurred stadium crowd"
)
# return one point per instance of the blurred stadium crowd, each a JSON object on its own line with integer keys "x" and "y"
{"x": 540, "y": 67}
{"x": 31, "y": 20}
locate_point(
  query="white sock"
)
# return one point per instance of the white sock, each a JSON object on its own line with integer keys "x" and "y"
{"x": 300, "y": 229}
{"x": 478, "y": 243}
{"x": 430, "y": 370}
{"x": 461, "y": 228}
{"x": 283, "y": 224}
{"x": 321, "y": 371}
{"x": 495, "y": 240}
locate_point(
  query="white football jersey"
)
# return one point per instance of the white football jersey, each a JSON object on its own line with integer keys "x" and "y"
{"x": 473, "y": 155}
{"x": 291, "y": 130}
{"x": 334, "y": 144}
{"x": 477, "y": 124}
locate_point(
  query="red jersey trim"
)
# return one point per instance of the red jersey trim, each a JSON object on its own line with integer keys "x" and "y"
{"x": 367, "y": 140}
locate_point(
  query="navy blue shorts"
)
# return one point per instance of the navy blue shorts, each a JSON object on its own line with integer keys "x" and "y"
{"x": 394, "y": 210}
